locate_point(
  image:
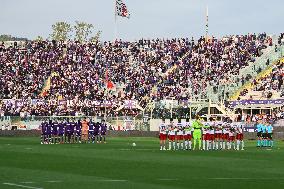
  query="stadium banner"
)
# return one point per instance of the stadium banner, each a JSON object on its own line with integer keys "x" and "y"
{"x": 17, "y": 103}
{"x": 128, "y": 124}
{"x": 255, "y": 102}
{"x": 247, "y": 127}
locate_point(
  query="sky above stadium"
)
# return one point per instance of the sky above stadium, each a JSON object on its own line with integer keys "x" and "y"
{"x": 149, "y": 18}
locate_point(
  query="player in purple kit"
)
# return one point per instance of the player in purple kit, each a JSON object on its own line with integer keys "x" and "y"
{"x": 103, "y": 130}
{"x": 96, "y": 131}
{"x": 54, "y": 132}
{"x": 49, "y": 131}
{"x": 60, "y": 129}
{"x": 78, "y": 131}
{"x": 72, "y": 130}
{"x": 43, "y": 132}
{"x": 67, "y": 131}
{"x": 91, "y": 137}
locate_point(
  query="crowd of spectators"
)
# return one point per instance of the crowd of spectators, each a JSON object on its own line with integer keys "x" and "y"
{"x": 143, "y": 70}
{"x": 273, "y": 81}
{"x": 281, "y": 39}
{"x": 274, "y": 116}
{"x": 269, "y": 83}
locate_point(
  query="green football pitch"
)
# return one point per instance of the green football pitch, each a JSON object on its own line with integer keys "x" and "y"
{"x": 24, "y": 163}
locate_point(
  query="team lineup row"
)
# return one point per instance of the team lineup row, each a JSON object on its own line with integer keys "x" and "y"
{"x": 73, "y": 132}
{"x": 210, "y": 135}
{"x": 264, "y": 134}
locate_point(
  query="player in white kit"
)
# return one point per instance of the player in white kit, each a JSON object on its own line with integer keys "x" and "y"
{"x": 240, "y": 137}
{"x": 212, "y": 136}
{"x": 218, "y": 136}
{"x": 231, "y": 141}
{"x": 171, "y": 135}
{"x": 179, "y": 136}
{"x": 187, "y": 135}
{"x": 205, "y": 137}
{"x": 225, "y": 136}
{"x": 163, "y": 135}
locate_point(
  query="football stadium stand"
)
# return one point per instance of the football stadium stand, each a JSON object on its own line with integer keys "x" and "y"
{"x": 159, "y": 77}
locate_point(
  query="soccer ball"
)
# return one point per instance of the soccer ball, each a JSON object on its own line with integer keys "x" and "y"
{"x": 133, "y": 144}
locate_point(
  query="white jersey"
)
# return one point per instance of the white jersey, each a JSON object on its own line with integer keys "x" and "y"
{"x": 212, "y": 124}
{"x": 219, "y": 129}
{"x": 172, "y": 131}
{"x": 163, "y": 128}
{"x": 225, "y": 131}
{"x": 239, "y": 129}
{"x": 180, "y": 127}
{"x": 188, "y": 131}
{"x": 204, "y": 131}
{"x": 212, "y": 131}
{"x": 231, "y": 133}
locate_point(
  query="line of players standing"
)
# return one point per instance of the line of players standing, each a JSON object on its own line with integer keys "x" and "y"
{"x": 70, "y": 131}
{"x": 264, "y": 134}
{"x": 215, "y": 135}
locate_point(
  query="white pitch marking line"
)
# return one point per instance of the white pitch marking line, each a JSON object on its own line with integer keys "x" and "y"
{"x": 245, "y": 178}
{"x": 19, "y": 185}
{"x": 123, "y": 149}
{"x": 54, "y": 181}
{"x": 28, "y": 182}
{"x": 231, "y": 178}
{"x": 113, "y": 180}
{"x": 167, "y": 179}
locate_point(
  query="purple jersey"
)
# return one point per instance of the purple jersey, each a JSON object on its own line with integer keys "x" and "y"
{"x": 91, "y": 127}
{"x": 49, "y": 128}
{"x": 72, "y": 127}
{"x": 54, "y": 128}
{"x": 97, "y": 128}
{"x": 68, "y": 127}
{"x": 78, "y": 128}
{"x": 60, "y": 128}
{"x": 103, "y": 128}
{"x": 43, "y": 128}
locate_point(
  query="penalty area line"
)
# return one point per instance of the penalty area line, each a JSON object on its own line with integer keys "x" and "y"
{"x": 19, "y": 185}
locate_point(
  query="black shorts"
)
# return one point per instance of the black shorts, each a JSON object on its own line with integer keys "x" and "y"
{"x": 269, "y": 135}
{"x": 259, "y": 134}
{"x": 264, "y": 135}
